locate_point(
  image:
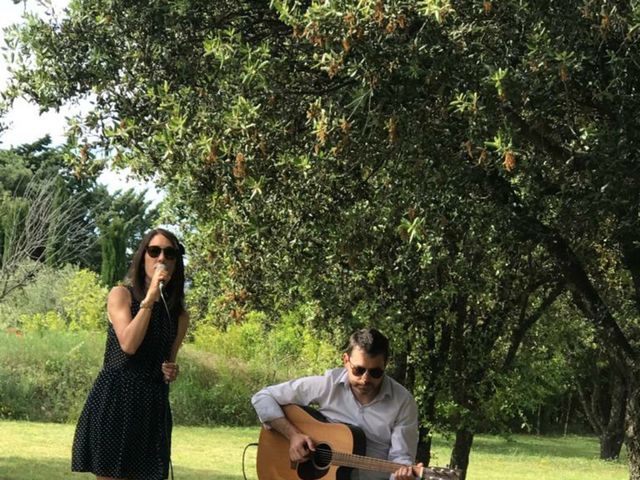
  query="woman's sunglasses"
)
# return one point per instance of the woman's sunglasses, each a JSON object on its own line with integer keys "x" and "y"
{"x": 170, "y": 253}
{"x": 360, "y": 371}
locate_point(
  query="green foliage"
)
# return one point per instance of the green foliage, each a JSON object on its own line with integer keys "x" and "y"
{"x": 84, "y": 302}
{"x": 46, "y": 374}
{"x": 123, "y": 218}
{"x": 241, "y": 341}
{"x": 68, "y": 298}
{"x": 42, "y": 295}
{"x": 288, "y": 347}
{"x": 228, "y": 366}
{"x": 73, "y": 174}
{"x": 113, "y": 247}
{"x": 213, "y": 390}
{"x": 44, "y": 204}
{"x": 13, "y": 171}
{"x": 41, "y": 322}
{"x": 44, "y": 377}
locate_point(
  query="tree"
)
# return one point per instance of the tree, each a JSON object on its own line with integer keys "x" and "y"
{"x": 338, "y": 149}
{"x": 113, "y": 246}
{"x": 38, "y": 227}
{"x": 39, "y": 162}
{"x": 122, "y": 218}
{"x": 603, "y": 397}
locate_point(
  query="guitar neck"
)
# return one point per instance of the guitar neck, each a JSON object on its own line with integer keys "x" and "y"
{"x": 378, "y": 465}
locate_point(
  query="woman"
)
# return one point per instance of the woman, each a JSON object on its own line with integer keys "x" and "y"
{"x": 124, "y": 431}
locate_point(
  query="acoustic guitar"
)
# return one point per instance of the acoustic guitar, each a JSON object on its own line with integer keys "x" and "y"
{"x": 339, "y": 449}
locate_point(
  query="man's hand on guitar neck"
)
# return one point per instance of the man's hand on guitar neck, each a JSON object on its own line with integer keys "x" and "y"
{"x": 409, "y": 472}
{"x": 300, "y": 445}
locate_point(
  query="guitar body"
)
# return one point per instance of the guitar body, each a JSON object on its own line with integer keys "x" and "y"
{"x": 273, "y": 450}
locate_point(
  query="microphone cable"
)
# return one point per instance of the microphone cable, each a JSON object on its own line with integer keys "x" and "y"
{"x": 244, "y": 454}
{"x": 166, "y": 409}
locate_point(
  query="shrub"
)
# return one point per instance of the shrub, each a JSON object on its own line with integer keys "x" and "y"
{"x": 84, "y": 302}
{"x": 57, "y": 299}
{"x": 40, "y": 322}
{"x": 46, "y": 376}
{"x": 43, "y": 295}
{"x": 242, "y": 341}
{"x": 47, "y": 372}
{"x": 213, "y": 390}
{"x": 289, "y": 348}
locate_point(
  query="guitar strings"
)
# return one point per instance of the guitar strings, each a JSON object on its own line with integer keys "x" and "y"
{"x": 354, "y": 460}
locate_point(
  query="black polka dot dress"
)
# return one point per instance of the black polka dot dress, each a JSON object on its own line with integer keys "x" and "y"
{"x": 124, "y": 430}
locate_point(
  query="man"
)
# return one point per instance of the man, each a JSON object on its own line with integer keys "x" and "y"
{"x": 359, "y": 394}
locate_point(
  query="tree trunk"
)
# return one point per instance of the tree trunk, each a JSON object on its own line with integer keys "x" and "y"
{"x": 461, "y": 451}
{"x": 613, "y": 436}
{"x": 539, "y": 420}
{"x": 632, "y": 431}
{"x": 424, "y": 446}
{"x": 610, "y": 445}
{"x": 603, "y": 397}
{"x": 568, "y": 415}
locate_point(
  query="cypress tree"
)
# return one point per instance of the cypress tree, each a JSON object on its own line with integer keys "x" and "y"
{"x": 113, "y": 247}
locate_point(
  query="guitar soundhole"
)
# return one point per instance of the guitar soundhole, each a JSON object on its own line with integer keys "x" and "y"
{"x": 322, "y": 457}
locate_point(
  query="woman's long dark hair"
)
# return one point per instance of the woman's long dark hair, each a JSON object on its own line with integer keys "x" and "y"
{"x": 174, "y": 290}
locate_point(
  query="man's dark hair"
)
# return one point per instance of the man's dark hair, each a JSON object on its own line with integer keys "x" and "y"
{"x": 370, "y": 341}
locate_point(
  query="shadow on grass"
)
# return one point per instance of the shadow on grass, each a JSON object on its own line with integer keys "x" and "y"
{"x": 19, "y": 468}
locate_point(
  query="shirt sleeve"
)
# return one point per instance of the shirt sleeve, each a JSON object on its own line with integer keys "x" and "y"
{"x": 301, "y": 391}
{"x": 404, "y": 435}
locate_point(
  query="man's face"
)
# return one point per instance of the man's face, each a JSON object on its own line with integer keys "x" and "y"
{"x": 362, "y": 369}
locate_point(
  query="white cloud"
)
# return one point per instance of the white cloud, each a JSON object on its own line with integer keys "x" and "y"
{"x": 26, "y": 124}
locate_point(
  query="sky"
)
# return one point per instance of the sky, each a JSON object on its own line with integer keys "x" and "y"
{"x": 25, "y": 122}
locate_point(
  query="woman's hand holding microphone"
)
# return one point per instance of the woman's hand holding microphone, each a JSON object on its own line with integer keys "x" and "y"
{"x": 159, "y": 279}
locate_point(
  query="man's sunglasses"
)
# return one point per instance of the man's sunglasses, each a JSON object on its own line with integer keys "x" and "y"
{"x": 360, "y": 371}
{"x": 170, "y": 253}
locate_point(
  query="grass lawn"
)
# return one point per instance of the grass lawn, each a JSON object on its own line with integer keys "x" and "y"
{"x": 41, "y": 451}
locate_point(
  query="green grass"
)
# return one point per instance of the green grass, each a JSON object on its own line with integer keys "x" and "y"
{"x": 41, "y": 451}
{"x": 524, "y": 457}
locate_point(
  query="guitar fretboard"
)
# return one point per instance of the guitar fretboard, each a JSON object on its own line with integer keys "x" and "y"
{"x": 378, "y": 465}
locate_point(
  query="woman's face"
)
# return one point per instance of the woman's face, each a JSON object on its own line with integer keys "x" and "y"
{"x": 162, "y": 242}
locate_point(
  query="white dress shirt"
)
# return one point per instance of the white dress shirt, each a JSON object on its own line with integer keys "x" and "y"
{"x": 390, "y": 421}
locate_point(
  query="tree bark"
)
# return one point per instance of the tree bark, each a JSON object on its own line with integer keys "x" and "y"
{"x": 461, "y": 451}
{"x": 632, "y": 430}
{"x": 525, "y": 324}
{"x": 603, "y": 396}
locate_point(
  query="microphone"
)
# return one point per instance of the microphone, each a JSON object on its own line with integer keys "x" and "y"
{"x": 161, "y": 266}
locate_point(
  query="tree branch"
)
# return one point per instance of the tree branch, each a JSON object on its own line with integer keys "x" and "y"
{"x": 527, "y": 322}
